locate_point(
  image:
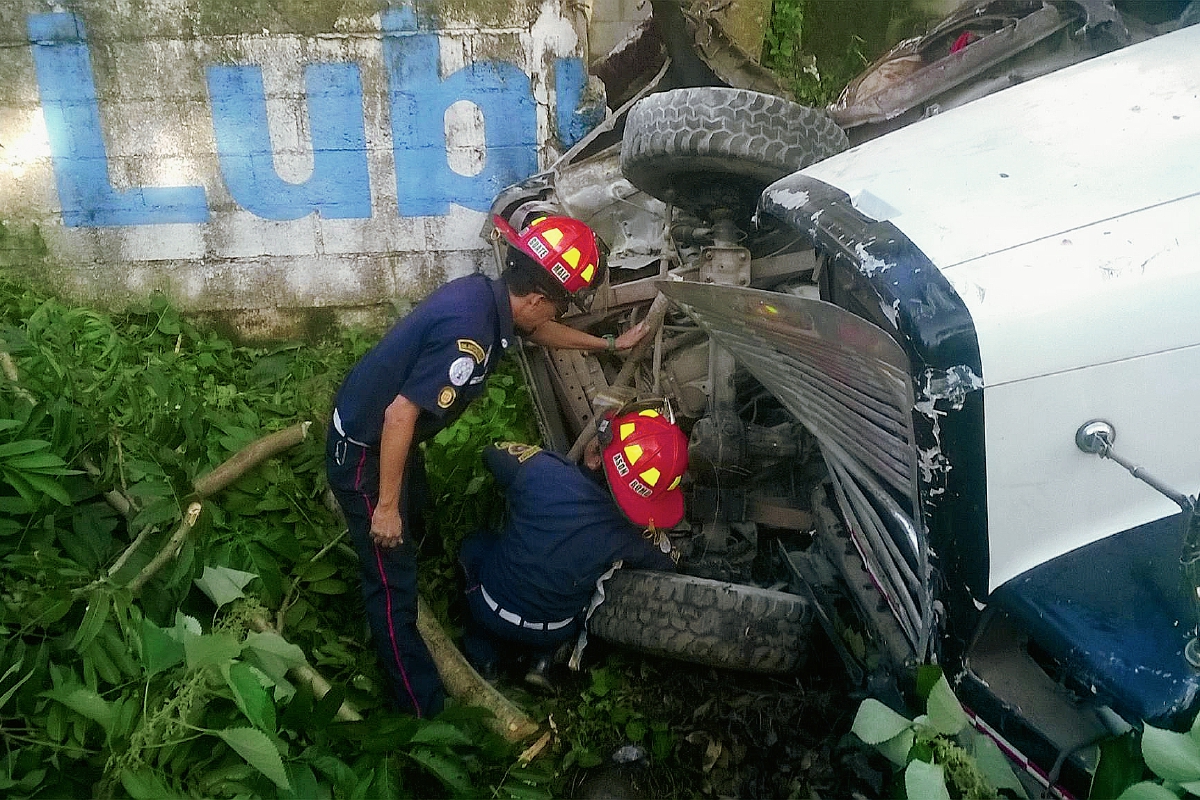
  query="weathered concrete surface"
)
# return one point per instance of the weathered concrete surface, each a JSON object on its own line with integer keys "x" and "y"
{"x": 273, "y": 162}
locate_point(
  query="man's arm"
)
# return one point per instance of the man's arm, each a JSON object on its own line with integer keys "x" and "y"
{"x": 399, "y": 424}
{"x": 556, "y": 334}
{"x": 640, "y": 553}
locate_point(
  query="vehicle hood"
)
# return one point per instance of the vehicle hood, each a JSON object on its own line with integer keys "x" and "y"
{"x": 1068, "y": 203}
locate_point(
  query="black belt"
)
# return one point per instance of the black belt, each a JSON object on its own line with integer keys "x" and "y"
{"x": 516, "y": 619}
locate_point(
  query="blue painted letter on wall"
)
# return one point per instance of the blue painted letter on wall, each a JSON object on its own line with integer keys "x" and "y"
{"x": 72, "y": 113}
{"x": 425, "y": 183}
{"x": 339, "y": 186}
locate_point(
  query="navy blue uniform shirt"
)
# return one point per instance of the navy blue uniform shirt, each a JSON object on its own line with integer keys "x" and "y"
{"x": 437, "y": 356}
{"x": 564, "y": 531}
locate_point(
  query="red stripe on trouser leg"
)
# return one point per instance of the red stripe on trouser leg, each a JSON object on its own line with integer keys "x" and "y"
{"x": 387, "y": 594}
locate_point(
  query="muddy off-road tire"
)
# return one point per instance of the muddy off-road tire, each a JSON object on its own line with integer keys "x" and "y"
{"x": 704, "y": 621}
{"x": 708, "y": 147}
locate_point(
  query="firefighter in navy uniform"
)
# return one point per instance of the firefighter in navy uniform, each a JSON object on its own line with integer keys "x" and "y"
{"x": 528, "y": 588}
{"x": 417, "y": 380}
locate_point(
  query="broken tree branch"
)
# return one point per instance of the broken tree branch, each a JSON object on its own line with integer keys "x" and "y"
{"x": 249, "y": 457}
{"x": 10, "y": 371}
{"x": 465, "y": 684}
{"x": 169, "y": 550}
{"x": 307, "y": 675}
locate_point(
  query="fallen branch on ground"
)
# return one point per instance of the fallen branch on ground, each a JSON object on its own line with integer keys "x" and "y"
{"x": 465, "y": 684}
{"x": 309, "y": 676}
{"x": 249, "y": 457}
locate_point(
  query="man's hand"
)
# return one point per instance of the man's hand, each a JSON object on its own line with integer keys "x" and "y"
{"x": 386, "y": 528}
{"x": 631, "y": 337}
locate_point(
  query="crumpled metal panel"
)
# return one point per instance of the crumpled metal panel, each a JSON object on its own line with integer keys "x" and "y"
{"x": 848, "y": 382}
{"x": 841, "y": 376}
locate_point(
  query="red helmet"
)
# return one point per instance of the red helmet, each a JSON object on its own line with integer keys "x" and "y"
{"x": 645, "y": 456}
{"x": 565, "y": 246}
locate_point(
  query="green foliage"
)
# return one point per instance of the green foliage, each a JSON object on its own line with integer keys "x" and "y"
{"x": 812, "y": 84}
{"x": 174, "y": 691}
{"x": 609, "y": 713}
{"x": 1174, "y": 758}
{"x": 464, "y": 495}
{"x": 938, "y": 750}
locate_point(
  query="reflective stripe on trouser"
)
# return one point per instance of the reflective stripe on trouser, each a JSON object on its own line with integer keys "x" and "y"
{"x": 388, "y": 575}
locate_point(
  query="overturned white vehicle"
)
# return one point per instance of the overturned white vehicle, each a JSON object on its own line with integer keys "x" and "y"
{"x": 938, "y": 388}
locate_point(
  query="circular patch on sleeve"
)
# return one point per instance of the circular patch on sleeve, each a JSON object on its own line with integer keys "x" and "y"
{"x": 461, "y": 370}
{"x": 446, "y": 397}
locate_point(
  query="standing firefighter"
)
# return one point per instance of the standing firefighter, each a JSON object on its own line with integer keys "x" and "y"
{"x": 567, "y": 526}
{"x": 417, "y": 380}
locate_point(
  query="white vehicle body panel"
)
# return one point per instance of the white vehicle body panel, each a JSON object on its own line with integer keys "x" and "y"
{"x": 1073, "y": 237}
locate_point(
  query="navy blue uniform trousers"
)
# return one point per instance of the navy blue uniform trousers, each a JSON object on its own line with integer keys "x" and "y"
{"x": 388, "y": 574}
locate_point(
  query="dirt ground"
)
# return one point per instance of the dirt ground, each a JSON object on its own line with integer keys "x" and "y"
{"x": 748, "y": 736}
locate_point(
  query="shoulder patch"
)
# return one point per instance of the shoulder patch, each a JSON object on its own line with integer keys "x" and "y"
{"x": 523, "y": 452}
{"x": 473, "y": 349}
{"x": 446, "y": 397}
{"x": 461, "y": 370}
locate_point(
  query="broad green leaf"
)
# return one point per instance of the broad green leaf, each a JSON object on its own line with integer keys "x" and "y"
{"x": 994, "y": 766}
{"x": 440, "y": 733}
{"x": 1148, "y": 790}
{"x": 329, "y": 586}
{"x": 1121, "y": 765}
{"x": 4, "y": 698}
{"x": 224, "y": 585}
{"x": 946, "y": 714}
{"x": 50, "y": 488}
{"x": 384, "y": 783}
{"x": 143, "y": 784}
{"x": 250, "y": 695}
{"x": 303, "y": 782}
{"x": 164, "y": 509}
{"x": 343, "y": 777}
{"x": 93, "y": 620}
{"x": 898, "y": 747}
{"x": 925, "y": 781}
{"x": 47, "y": 463}
{"x": 316, "y": 571}
{"x": 212, "y": 649}
{"x": 1172, "y": 756}
{"x": 84, "y": 701}
{"x": 259, "y": 752}
{"x": 185, "y": 625}
{"x": 274, "y": 654}
{"x": 876, "y": 723}
{"x": 449, "y": 771}
{"x": 21, "y": 447}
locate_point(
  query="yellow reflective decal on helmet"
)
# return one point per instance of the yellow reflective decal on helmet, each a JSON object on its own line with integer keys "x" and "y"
{"x": 588, "y": 272}
{"x": 648, "y": 412}
{"x": 571, "y": 256}
{"x": 553, "y": 236}
{"x": 633, "y": 452}
{"x": 651, "y": 476}
{"x": 626, "y": 430}
{"x": 675, "y": 483}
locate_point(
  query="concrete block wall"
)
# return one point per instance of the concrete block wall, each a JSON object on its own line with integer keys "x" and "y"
{"x": 272, "y": 162}
{"x": 611, "y": 20}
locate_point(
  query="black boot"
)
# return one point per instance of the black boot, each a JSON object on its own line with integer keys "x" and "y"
{"x": 539, "y": 676}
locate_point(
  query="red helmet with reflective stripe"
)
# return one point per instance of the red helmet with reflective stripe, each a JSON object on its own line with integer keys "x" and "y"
{"x": 645, "y": 456}
{"x": 564, "y": 246}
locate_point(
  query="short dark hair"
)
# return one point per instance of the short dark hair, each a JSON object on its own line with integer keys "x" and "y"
{"x": 524, "y": 276}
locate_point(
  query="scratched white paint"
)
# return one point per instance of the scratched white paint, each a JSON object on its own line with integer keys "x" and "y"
{"x": 1064, "y": 212}
{"x": 788, "y": 198}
